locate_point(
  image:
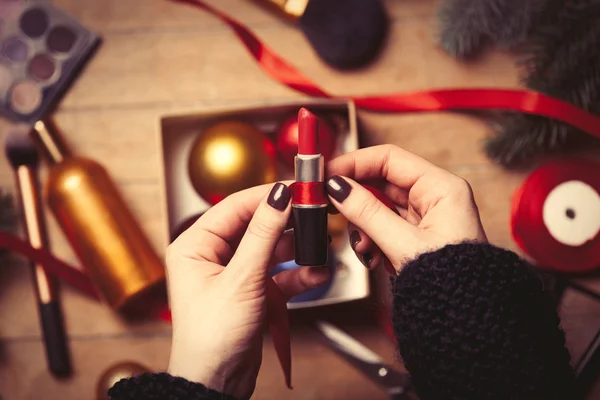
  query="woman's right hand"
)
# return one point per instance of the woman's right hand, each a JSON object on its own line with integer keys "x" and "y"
{"x": 436, "y": 207}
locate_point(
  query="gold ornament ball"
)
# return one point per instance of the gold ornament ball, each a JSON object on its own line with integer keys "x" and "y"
{"x": 114, "y": 374}
{"x": 337, "y": 226}
{"x": 230, "y": 156}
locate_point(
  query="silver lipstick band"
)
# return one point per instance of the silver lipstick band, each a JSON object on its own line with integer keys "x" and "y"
{"x": 309, "y": 168}
{"x": 309, "y": 205}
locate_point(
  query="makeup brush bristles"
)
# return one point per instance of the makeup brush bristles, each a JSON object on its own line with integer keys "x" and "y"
{"x": 20, "y": 149}
{"x": 346, "y": 34}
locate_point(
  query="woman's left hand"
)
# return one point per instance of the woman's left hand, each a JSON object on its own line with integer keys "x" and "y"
{"x": 217, "y": 272}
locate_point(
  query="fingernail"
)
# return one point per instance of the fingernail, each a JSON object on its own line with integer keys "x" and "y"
{"x": 354, "y": 239}
{"x": 338, "y": 188}
{"x": 279, "y": 197}
{"x": 366, "y": 259}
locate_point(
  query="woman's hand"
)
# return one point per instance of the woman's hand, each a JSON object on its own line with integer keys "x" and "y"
{"x": 217, "y": 272}
{"x": 436, "y": 207}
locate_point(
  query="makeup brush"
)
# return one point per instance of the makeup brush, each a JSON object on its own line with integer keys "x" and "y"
{"x": 345, "y": 34}
{"x": 22, "y": 154}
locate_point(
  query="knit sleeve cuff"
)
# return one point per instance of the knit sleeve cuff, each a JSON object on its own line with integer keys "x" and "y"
{"x": 162, "y": 386}
{"x": 474, "y": 321}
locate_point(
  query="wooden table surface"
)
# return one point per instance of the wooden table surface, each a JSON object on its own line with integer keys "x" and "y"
{"x": 161, "y": 58}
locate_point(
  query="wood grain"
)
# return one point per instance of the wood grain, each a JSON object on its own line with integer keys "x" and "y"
{"x": 160, "y": 58}
{"x": 23, "y": 374}
{"x": 150, "y": 15}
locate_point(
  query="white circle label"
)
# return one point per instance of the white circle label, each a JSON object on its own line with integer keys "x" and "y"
{"x": 572, "y": 213}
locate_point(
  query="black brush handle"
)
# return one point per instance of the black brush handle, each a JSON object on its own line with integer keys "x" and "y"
{"x": 55, "y": 339}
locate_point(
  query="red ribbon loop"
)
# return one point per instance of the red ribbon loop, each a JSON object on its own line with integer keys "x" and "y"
{"x": 525, "y": 101}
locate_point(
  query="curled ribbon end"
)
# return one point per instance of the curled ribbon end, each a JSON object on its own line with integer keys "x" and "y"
{"x": 277, "y": 319}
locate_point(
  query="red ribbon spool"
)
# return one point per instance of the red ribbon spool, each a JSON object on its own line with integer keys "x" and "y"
{"x": 556, "y": 216}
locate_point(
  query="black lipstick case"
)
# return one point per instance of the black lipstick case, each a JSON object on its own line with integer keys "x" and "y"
{"x": 310, "y": 235}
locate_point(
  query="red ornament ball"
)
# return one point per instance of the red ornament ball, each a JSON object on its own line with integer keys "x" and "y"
{"x": 287, "y": 140}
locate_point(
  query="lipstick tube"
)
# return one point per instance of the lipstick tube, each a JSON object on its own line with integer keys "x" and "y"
{"x": 309, "y": 199}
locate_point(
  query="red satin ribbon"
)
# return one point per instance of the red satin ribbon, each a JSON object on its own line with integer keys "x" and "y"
{"x": 52, "y": 265}
{"x": 308, "y": 193}
{"x": 527, "y": 218}
{"x": 66, "y": 273}
{"x": 525, "y": 101}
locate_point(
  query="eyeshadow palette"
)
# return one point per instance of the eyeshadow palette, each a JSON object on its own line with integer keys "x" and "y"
{"x": 41, "y": 51}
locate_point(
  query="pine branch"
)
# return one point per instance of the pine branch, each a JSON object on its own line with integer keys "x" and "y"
{"x": 509, "y": 22}
{"x": 562, "y": 60}
{"x": 462, "y": 28}
{"x": 561, "y": 48}
{"x": 468, "y": 26}
{"x": 521, "y": 141}
{"x": 552, "y": 24}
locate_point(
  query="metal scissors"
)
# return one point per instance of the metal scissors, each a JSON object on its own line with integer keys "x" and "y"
{"x": 396, "y": 384}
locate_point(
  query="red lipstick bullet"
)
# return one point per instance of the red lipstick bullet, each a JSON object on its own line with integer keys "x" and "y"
{"x": 309, "y": 199}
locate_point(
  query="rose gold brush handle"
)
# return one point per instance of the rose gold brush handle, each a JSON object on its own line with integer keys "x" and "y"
{"x": 51, "y": 319}
{"x": 292, "y": 10}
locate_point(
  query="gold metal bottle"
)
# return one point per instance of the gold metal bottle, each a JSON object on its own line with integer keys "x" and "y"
{"x": 99, "y": 225}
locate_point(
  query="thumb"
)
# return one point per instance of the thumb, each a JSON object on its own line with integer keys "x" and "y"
{"x": 254, "y": 252}
{"x": 361, "y": 207}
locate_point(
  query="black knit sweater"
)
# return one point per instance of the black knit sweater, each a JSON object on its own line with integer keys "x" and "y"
{"x": 473, "y": 322}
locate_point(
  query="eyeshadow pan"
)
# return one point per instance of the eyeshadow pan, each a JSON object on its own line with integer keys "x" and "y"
{"x": 41, "y": 67}
{"x": 25, "y": 97}
{"x": 61, "y": 39}
{"x": 15, "y": 49}
{"x": 34, "y": 22}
